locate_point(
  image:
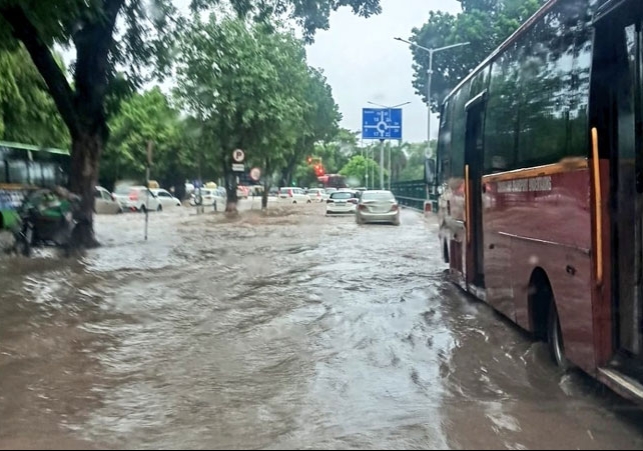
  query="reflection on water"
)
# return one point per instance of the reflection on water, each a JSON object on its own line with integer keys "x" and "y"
{"x": 286, "y": 331}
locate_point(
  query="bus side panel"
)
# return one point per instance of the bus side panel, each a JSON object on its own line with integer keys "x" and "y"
{"x": 542, "y": 218}
{"x": 570, "y": 276}
{"x": 497, "y": 255}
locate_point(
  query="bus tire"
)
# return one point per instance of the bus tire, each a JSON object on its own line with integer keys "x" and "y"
{"x": 555, "y": 339}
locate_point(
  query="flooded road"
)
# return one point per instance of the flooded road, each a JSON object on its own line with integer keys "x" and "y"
{"x": 286, "y": 331}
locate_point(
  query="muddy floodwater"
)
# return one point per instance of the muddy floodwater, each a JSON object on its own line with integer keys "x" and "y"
{"x": 290, "y": 330}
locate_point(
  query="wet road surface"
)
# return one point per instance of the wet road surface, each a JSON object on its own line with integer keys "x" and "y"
{"x": 286, "y": 331}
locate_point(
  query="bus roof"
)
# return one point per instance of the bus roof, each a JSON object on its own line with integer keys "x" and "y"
{"x": 510, "y": 40}
{"x": 20, "y": 146}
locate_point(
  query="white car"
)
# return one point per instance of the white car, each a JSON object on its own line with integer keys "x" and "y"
{"x": 166, "y": 199}
{"x": 294, "y": 195}
{"x": 341, "y": 202}
{"x": 215, "y": 198}
{"x": 317, "y": 194}
{"x": 137, "y": 198}
{"x": 106, "y": 203}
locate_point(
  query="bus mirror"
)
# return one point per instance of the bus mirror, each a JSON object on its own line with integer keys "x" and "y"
{"x": 429, "y": 171}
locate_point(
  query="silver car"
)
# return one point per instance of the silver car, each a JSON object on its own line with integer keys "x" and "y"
{"x": 378, "y": 206}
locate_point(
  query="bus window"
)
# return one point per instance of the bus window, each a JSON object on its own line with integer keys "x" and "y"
{"x": 546, "y": 68}
{"x": 502, "y": 114}
{"x": 459, "y": 131}
{"x": 49, "y": 174}
{"x": 3, "y": 172}
{"x": 18, "y": 172}
{"x": 35, "y": 173}
{"x": 444, "y": 143}
{"x": 578, "y": 137}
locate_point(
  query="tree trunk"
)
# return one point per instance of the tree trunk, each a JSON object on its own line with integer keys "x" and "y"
{"x": 267, "y": 183}
{"x": 231, "y": 191}
{"x": 264, "y": 199}
{"x": 85, "y": 160}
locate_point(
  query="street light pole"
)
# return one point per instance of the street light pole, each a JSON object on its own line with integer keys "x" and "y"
{"x": 428, "y": 97}
{"x": 431, "y": 51}
{"x": 381, "y": 164}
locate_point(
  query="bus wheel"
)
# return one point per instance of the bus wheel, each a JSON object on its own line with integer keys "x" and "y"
{"x": 555, "y": 340}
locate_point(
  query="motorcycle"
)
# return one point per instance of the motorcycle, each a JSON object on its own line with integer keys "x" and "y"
{"x": 46, "y": 217}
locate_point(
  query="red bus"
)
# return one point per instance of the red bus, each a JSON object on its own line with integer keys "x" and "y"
{"x": 333, "y": 181}
{"x": 540, "y": 170}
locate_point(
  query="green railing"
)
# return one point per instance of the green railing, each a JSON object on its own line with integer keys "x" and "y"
{"x": 413, "y": 194}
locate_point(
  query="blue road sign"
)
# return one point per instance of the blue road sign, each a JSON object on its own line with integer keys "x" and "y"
{"x": 382, "y": 123}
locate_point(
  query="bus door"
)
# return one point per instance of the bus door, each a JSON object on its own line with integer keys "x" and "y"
{"x": 473, "y": 160}
{"x": 617, "y": 113}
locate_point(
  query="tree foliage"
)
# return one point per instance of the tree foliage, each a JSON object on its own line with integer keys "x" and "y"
{"x": 485, "y": 24}
{"x": 27, "y": 113}
{"x": 357, "y": 167}
{"x": 249, "y": 87}
{"x": 142, "y": 119}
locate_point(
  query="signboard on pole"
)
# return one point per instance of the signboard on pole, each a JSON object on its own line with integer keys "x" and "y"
{"x": 238, "y": 168}
{"x": 382, "y": 123}
{"x": 255, "y": 174}
{"x": 238, "y": 155}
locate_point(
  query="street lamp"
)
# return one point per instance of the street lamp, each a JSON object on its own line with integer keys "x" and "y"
{"x": 430, "y": 75}
{"x": 382, "y": 147}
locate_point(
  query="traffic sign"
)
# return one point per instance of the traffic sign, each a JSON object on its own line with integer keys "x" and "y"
{"x": 238, "y": 168}
{"x": 238, "y": 155}
{"x": 255, "y": 174}
{"x": 382, "y": 123}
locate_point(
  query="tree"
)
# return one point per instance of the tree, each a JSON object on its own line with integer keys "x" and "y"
{"x": 145, "y": 118}
{"x": 144, "y": 32}
{"x": 27, "y": 113}
{"x": 399, "y": 161}
{"x": 246, "y": 85}
{"x": 485, "y": 24}
{"x": 320, "y": 119}
{"x": 356, "y": 169}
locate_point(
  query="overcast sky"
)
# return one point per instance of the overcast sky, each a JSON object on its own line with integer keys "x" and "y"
{"x": 363, "y": 63}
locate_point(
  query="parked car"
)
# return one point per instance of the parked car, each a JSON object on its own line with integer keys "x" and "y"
{"x": 378, "y": 206}
{"x": 137, "y": 198}
{"x": 294, "y": 195}
{"x": 166, "y": 199}
{"x": 341, "y": 202}
{"x": 317, "y": 194}
{"x": 105, "y": 203}
{"x": 210, "y": 198}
